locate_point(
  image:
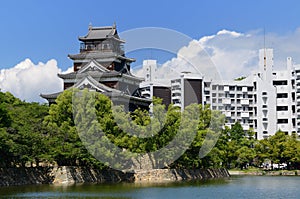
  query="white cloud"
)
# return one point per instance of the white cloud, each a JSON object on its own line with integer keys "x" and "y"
{"x": 27, "y": 80}
{"x": 231, "y": 54}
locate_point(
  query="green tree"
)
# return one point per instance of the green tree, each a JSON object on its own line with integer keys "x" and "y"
{"x": 22, "y": 131}
{"x": 65, "y": 146}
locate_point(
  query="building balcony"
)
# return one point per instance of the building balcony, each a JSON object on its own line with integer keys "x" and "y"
{"x": 108, "y": 47}
{"x": 283, "y": 114}
{"x": 283, "y": 127}
{"x": 177, "y": 104}
{"x": 246, "y": 127}
{"x": 206, "y": 87}
{"x": 245, "y": 102}
{"x": 244, "y": 89}
{"x": 175, "y": 84}
{"x": 178, "y": 90}
{"x": 177, "y": 97}
{"x": 282, "y": 101}
{"x": 281, "y": 89}
{"x": 226, "y": 101}
{"x": 245, "y": 114}
{"x": 227, "y": 113}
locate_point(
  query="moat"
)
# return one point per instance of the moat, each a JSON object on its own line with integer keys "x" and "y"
{"x": 233, "y": 187}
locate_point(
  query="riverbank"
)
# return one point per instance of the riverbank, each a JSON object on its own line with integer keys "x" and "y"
{"x": 72, "y": 175}
{"x": 266, "y": 173}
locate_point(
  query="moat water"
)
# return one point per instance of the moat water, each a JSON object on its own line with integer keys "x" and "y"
{"x": 234, "y": 187}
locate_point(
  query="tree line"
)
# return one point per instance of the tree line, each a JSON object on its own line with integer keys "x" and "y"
{"x": 33, "y": 133}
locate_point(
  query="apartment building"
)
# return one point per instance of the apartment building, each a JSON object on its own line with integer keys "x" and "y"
{"x": 187, "y": 89}
{"x": 235, "y": 99}
{"x": 265, "y": 101}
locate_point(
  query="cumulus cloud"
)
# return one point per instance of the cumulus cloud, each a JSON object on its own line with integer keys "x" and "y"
{"x": 230, "y": 54}
{"x": 27, "y": 80}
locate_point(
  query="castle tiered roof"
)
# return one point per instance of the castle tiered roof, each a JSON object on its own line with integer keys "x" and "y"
{"x": 102, "y": 66}
{"x": 101, "y": 33}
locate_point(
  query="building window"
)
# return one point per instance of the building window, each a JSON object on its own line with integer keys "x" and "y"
{"x": 282, "y": 95}
{"x": 280, "y": 82}
{"x": 282, "y": 121}
{"x": 282, "y": 108}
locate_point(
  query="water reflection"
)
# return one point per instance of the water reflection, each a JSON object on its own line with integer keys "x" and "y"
{"x": 235, "y": 187}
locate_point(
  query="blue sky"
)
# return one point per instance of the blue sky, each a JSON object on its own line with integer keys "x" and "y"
{"x": 39, "y": 35}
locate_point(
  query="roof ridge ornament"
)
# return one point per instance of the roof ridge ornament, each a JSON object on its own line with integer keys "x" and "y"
{"x": 90, "y": 26}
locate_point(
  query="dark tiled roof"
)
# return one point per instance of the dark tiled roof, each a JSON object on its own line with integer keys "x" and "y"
{"x": 98, "y": 74}
{"x": 96, "y": 84}
{"x": 95, "y": 65}
{"x": 111, "y": 56}
{"x": 111, "y": 92}
{"x": 51, "y": 96}
{"x": 100, "y": 33}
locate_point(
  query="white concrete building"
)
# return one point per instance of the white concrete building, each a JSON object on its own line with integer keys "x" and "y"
{"x": 235, "y": 99}
{"x": 150, "y": 70}
{"x": 265, "y": 101}
{"x": 275, "y": 91}
{"x": 297, "y": 96}
{"x": 187, "y": 89}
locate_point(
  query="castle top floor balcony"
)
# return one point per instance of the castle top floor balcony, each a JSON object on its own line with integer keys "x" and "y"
{"x": 102, "y": 47}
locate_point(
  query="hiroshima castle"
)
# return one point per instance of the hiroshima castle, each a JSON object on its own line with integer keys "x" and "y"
{"x": 101, "y": 65}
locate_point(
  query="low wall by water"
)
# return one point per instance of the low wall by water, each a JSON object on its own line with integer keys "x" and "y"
{"x": 267, "y": 173}
{"x": 171, "y": 175}
{"x": 71, "y": 175}
{"x": 25, "y": 176}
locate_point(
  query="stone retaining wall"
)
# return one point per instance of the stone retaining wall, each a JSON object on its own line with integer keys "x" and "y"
{"x": 25, "y": 176}
{"x": 71, "y": 175}
{"x": 171, "y": 175}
